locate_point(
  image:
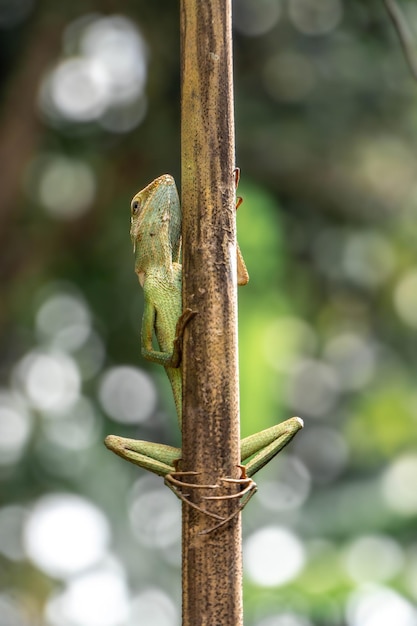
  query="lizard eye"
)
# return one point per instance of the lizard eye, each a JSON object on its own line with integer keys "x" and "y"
{"x": 135, "y": 206}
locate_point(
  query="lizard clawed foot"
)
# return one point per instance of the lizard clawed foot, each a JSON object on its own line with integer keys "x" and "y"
{"x": 249, "y": 489}
{"x": 244, "y": 480}
{"x": 176, "y": 487}
{"x": 174, "y": 482}
{"x": 232, "y": 515}
{"x": 236, "y": 175}
{"x": 242, "y": 272}
{"x": 183, "y": 320}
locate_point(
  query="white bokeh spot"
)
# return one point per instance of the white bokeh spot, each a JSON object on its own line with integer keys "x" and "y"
{"x": 273, "y": 556}
{"x": 127, "y": 394}
{"x": 50, "y": 379}
{"x": 65, "y": 534}
{"x": 99, "y": 597}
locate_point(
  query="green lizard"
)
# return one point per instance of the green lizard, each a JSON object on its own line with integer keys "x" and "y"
{"x": 156, "y": 235}
{"x": 155, "y": 231}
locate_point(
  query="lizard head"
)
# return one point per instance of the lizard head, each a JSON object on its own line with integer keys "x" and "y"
{"x": 155, "y": 226}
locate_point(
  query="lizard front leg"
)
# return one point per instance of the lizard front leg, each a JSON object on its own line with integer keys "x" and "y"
{"x": 167, "y": 359}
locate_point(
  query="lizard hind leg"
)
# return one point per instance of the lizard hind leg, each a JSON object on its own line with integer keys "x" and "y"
{"x": 258, "y": 449}
{"x": 155, "y": 457}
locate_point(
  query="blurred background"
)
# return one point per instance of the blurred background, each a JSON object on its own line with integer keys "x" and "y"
{"x": 326, "y": 127}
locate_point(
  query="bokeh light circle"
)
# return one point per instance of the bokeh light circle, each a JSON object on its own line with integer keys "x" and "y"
{"x": 373, "y": 605}
{"x": 50, "y": 379}
{"x": 373, "y": 558}
{"x": 99, "y": 597}
{"x": 65, "y": 534}
{"x": 127, "y": 394}
{"x": 399, "y": 484}
{"x": 273, "y": 556}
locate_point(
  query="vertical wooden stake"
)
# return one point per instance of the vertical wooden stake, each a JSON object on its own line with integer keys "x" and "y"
{"x": 212, "y": 566}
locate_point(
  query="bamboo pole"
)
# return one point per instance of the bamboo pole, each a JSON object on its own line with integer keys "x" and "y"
{"x": 212, "y": 564}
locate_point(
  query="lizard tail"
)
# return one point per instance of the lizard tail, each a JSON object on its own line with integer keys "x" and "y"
{"x": 175, "y": 378}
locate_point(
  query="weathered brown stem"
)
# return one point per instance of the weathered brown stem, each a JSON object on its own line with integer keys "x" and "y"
{"x": 212, "y": 568}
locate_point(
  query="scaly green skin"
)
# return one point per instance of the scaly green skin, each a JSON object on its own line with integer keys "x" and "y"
{"x": 255, "y": 450}
{"x": 156, "y": 235}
